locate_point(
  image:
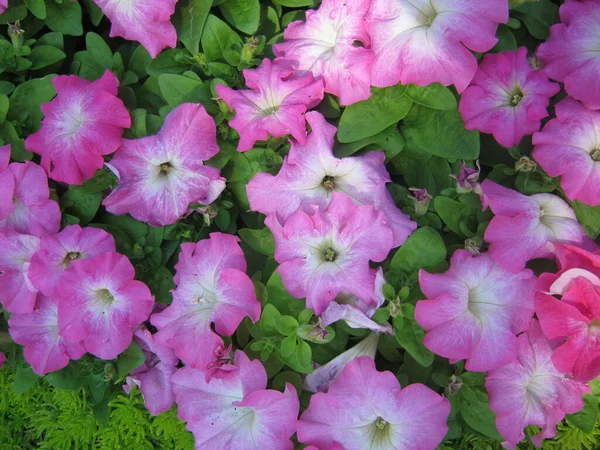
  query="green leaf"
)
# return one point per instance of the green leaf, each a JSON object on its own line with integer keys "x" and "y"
{"x": 441, "y": 133}
{"x": 410, "y": 336}
{"x": 135, "y": 229}
{"x": 178, "y": 89}
{"x": 129, "y": 360}
{"x": 280, "y": 298}
{"x": 242, "y": 14}
{"x": 26, "y": 100}
{"x": 287, "y": 325}
{"x": 424, "y": 248}
{"x": 94, "y": 12}
{"x": 4, "y": 105}
{"x": 454, "y": 213}
{"x": 25, "y": 378}
{"x": 296, "y": 3}
{"x": 288, "y": 346}
{"x": 434, "y": 96}
{"x": 189, "y": 20}
{"x": 68, "y": 378}
{"x": 538, "y": 17}
{"x": 139, "y": 61}
{"x": 586, "y": 418}
{"x": 268, "y": 320}
{"x": 475, "y": 410}
{"x": 44, "y": 55}
{"x": 37, "y": 8}
{"x": 17, "y": 11}
{"x": 367, "y": 118}
{"x": 285, "y": 377}
{"x": 389, "y": 140}
{"x": 64, "y": 17}
{"x": 169, "y": 61}
{"x": 97, "y": 385}
{"x": 423, "y": 170}
{"x": 9, "y": 135}
{"x": 588, "y": 217}
{"x": 260, "y": 240}
{"x": 80, "y": 203}
{"x": 218, "y": 38}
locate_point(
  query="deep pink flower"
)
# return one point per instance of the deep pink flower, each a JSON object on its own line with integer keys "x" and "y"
{"x": 365, "y": 408}
{"x": 573, "y": 262}
{"x": 153, "y": 377}
{"x": 426, "y": 41}
{"x": 523, "y": 225}
{"x": 37, "y": 331}
{"x": 212, "y": 287}
{"x": 325, "y": 45}
{"x": 530, "y": 391}
{"x": 82, "y": 124}
{"x": 161, "y": 175}
{"x": 148, "y": 22}
{"x": 570, "y": 55}
{"x": 311, "y": 171}
{"x": 58, "y": 250}
{"x": 234, "y": 409}
{"x": 17, "y": 294}
{"x": 100, "y": 304}
{"x": 325, "y": 251}
{"x": 506, "y": 97}
{"x": 25, "y": 205}
{"x": 569, "y": 147}
{"x": 274, "y": 105}
{"x": 475, "y": 310}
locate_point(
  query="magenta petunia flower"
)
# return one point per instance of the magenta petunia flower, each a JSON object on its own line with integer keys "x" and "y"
{"x": 153, "y": 377}
{"x": 234, "y": 409}
{"x": 326, "y": 251}
{"x": 570, "y": 55}
{"x": 523, "y": 225}
{"x": 58, "y": 250}
{"x": 507, "y": 98}
{"x": 3, "y": 6}
{"x": 365, "y": 408}
{"x": 25, "y": 205}
{"x": 161, "y": 175}
{"x": 475, "y": 310}
{"x": 147, "y": 22}
{"x": 37, "y": 331}
{"x": 326, "y": 46}
{"x": 17, "y": 294}
{"x": 100, "y": 303}
{"x": 82, "y": 124}
{"x": 531, "y": 391}
{"x": 274, "y": 105}
{"x": 212, "y": 287}
{"x": 426, "y": 41}
{"x": 569, "y": 147}
{"x": 311, "y": 171}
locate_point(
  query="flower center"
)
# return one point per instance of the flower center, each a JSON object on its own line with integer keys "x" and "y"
{"x": 104, "y": 296}
{"x": 595, "y": 154}
{"x": 165, "y": 168}
{"x": 517, "y": 96}
{"x": 594, "y": 327}
{"x": 71, "y": 256}
{"x": 270, "y": 110}
{"x": 380, "y": 423}
{"x": 329, "y": 254}
{"x": 328, "y": 182}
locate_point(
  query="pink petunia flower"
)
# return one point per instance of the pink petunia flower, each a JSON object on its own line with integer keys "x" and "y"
{"x": 475, "y": 310}
{"x": 530, "y": 391}
{"x": 507, "y": 98}
{"x": 570, "y": 55}
{"x": 82, "y": 124}
{"x": 325, "y": 251}
{"x": 365, "y": 408}
{"x": 17, "y": 294}
{"x": 311, "y": 171}
{"x": 161, "y": 175}
{"x": 523, "y": 225}
{"x": 426, "y": 41}
{"x": 234, "y": 410}
{"x": 326, "y": 46}
{"x": 212, "y": 287}
{"x": 37, "y": 331}
{"x": 58, "y": 250}
{"x": 153, "y": 377}
{"x": 100, "y": 303}
{"x": 25, "y": 205}
{"x": 148, "y": 22}
{"x": 274, "y": 105}
{"x": 2, "y": 359}
{"x": 3, "y": 6}
{"x": 569, "y": 147}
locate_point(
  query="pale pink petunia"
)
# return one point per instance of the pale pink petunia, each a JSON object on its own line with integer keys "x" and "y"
{"x": 100, "y": 303}
{"x": 17, "y": 294}
{"x": 25, "y": 205}
{"x": 426, "y": 41}
{"x": 365, "y": 408}
{"x": 324, "y": 251}
{"x": 507, "y": 98}
{"x": 83, "y": 123}
{"x": 311, "y": 171}
{"x": 524, "y": 225}
{"x": 475, "y": 310}
{"x": 147, "y": 22}
{"x": 37, "y": 331}
{"x": 57, "y": 251}
{"x": 161, "y": 175}
{"x": 569, "y": 147}
{"x": 531, "y": 391}
{"x": 212, "y": 288}
{"x": 570, "y": 55}
{"x": 235, "y": 410}
{"x": 332, "y": 44}
{"x": 153, "y": 377}
{"x": 274, "y": 105}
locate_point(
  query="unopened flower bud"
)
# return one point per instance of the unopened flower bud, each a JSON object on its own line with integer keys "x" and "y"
{"x": 525, "y": 165}
{"x": 421, "y": 200}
